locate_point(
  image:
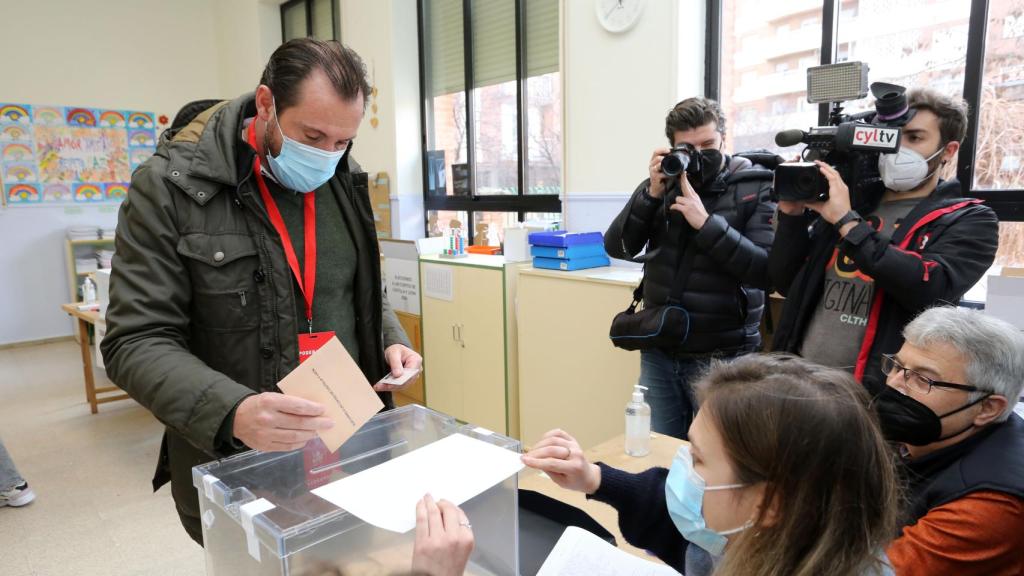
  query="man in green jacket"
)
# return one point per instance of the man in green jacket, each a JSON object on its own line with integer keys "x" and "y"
{"x": 245, "y": 232}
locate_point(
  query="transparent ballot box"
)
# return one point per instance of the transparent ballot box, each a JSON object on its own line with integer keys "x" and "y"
{"x": 260, "y": 516}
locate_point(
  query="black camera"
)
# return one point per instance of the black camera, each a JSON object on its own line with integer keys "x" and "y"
{"x": 682, "y": 158}
{"x": 801, "y": 181}
{"x": 851, "y": 142}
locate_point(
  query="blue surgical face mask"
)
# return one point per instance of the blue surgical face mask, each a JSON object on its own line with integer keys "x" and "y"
{"x": 684, "y": 494}
{"x": 301, "y": 167}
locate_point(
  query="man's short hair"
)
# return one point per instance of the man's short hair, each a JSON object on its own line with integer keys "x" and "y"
{"x": 296, "y": 59}
{"x": 693, "y": 113}
{"x": 951, "y": 111}
{"x": 993, "y": 348}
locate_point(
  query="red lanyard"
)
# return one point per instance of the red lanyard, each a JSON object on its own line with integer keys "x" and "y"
{"x": 309, "y": 211}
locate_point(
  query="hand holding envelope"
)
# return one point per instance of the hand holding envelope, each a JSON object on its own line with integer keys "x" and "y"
{"x": 331, "y": 378}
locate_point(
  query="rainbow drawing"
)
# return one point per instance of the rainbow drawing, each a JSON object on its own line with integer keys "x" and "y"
{"x": 112, "y": 118}
{"x": 22, "y": 193}
{"x": 19, "y": 173}
{"x": 140, "y": 155}
{"x": 88, "y": 193}
{"x": 116, "y": 191}
{"x": 141, "y": 120}
{"x": 16, "y": 153}
{"x": 13, "y": 132}
{"x": 141, "y": 138}
{"x": 49, "y": 115}
{"x": 56, "y": 193}
{"x": 15, "y": 113}
{"x": 81, "y": 117}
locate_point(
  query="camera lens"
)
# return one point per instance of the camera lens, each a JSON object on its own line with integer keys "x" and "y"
{"x": 675, "y": 163}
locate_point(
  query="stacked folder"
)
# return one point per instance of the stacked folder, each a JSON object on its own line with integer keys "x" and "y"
{"x": 560, "y": 250}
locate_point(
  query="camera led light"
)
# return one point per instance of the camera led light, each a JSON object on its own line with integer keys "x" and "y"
{"x": 837, "y": 82}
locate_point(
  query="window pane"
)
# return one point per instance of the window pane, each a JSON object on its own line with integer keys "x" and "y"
{"x": 294, "y": 18}
{"x": 913, "y": 43}
{"x": 999, "y": 163}
{"x": 543, "y": 99}
{"x": 323, "y": 20}
{"x": 439, "y": 221}
{"x": 550, "y": 220}
{"x": 1009, "y": 255}
{"x": 446, "y": 98}
{"x": 496, "y": 116}
{"x": 489, "y": 227}
{"x": 544, "y": 134}
{"x": 764, "y": 70}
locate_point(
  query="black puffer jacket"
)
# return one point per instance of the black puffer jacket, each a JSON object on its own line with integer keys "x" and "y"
{"x": 724, "y": 293}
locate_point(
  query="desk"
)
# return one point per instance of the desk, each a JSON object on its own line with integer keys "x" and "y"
{"x": 613, "y": 453}
{"x": 92, "y": 393}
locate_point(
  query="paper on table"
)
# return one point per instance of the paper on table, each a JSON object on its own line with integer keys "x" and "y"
{"x": 332, "y": 378}
{"x": 455, "y": 468}
{"x": 580, "y": 553}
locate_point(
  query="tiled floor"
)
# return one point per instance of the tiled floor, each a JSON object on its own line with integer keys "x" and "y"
{"x": 95, "y": 512}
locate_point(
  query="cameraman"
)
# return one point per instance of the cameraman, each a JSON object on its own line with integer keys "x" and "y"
{"x": 852, "y": 281}
{"x": 718, "y": 224}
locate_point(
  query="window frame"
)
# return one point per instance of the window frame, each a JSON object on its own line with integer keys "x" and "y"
{"x": 309, "y": 18}
{"x": 520, "y": 203}
{"x": 1008, "y": 204}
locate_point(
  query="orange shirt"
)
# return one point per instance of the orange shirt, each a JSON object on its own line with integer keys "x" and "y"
{"x": 980, "y": 534}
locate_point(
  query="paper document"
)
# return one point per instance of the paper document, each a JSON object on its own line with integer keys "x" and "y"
{"x": 332, "y": 378}
{"x": 455, "y": 468}
{"x": 407, "y": 375}
{"x": 580, "y": 553}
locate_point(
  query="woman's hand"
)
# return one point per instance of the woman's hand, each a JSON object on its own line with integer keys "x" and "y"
{"x": 444, "y": 539}
{"x": 560, "y": 457}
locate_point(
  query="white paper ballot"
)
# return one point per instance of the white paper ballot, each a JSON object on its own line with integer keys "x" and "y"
{"x": 455, "y": 468}
{"x": 580, "y": 553}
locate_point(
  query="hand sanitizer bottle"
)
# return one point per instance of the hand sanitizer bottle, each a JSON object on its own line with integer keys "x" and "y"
{"x": 88, "y": 291}
{"x": 638, "y": 424}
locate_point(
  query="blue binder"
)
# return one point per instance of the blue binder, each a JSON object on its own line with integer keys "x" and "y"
{"x": 568, "y": 265}
{"x": 570, "y": 252}
{"x": 561, "y": 238}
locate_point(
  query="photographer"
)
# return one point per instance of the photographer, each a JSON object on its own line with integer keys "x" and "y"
{"x": 707, "y": 233}
{"x": 853, "y": 280}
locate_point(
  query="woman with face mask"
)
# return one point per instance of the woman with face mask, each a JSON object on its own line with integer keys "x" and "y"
{"x": 787, "y": 473}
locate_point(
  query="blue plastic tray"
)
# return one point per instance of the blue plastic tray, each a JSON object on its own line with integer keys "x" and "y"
{"x": 561, "y": 238}
{"x": 571, "y": 252}
{"x": 568, "y": 265}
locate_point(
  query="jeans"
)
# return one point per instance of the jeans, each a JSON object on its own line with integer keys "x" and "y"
{"x": 669, "y": 381}
{"x": 9, "y": 477}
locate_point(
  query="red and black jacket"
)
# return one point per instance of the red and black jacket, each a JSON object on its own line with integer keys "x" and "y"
{"x": 940, "y": 250}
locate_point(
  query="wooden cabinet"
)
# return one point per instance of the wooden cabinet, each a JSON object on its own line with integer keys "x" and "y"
{"x": 571, "y": 376}
{"x": 466, "y": 340}
{"x": 412, "y": 394}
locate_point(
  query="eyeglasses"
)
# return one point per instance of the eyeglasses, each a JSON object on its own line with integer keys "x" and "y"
{"x": 922, "y": 384}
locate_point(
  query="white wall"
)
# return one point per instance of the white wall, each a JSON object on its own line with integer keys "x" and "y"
{"x": 150, "y": 55}
{"x": 618, "y": 89}
{"x": 384, "y": 33}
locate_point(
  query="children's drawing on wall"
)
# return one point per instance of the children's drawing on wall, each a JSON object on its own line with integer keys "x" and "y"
{"x": 70, "y": 155}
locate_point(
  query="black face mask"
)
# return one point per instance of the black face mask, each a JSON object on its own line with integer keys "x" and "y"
{"x": 906, "y": 420}
{"x": 710, "y": 165}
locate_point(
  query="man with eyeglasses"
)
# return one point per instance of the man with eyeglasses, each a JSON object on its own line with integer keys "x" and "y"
{"x": 949, "y": 402}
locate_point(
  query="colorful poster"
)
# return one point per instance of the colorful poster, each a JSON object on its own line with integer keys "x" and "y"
{"x": 71, "y": 155}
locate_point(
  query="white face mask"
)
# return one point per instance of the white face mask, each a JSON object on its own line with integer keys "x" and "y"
{"x": 906, "y": 169}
